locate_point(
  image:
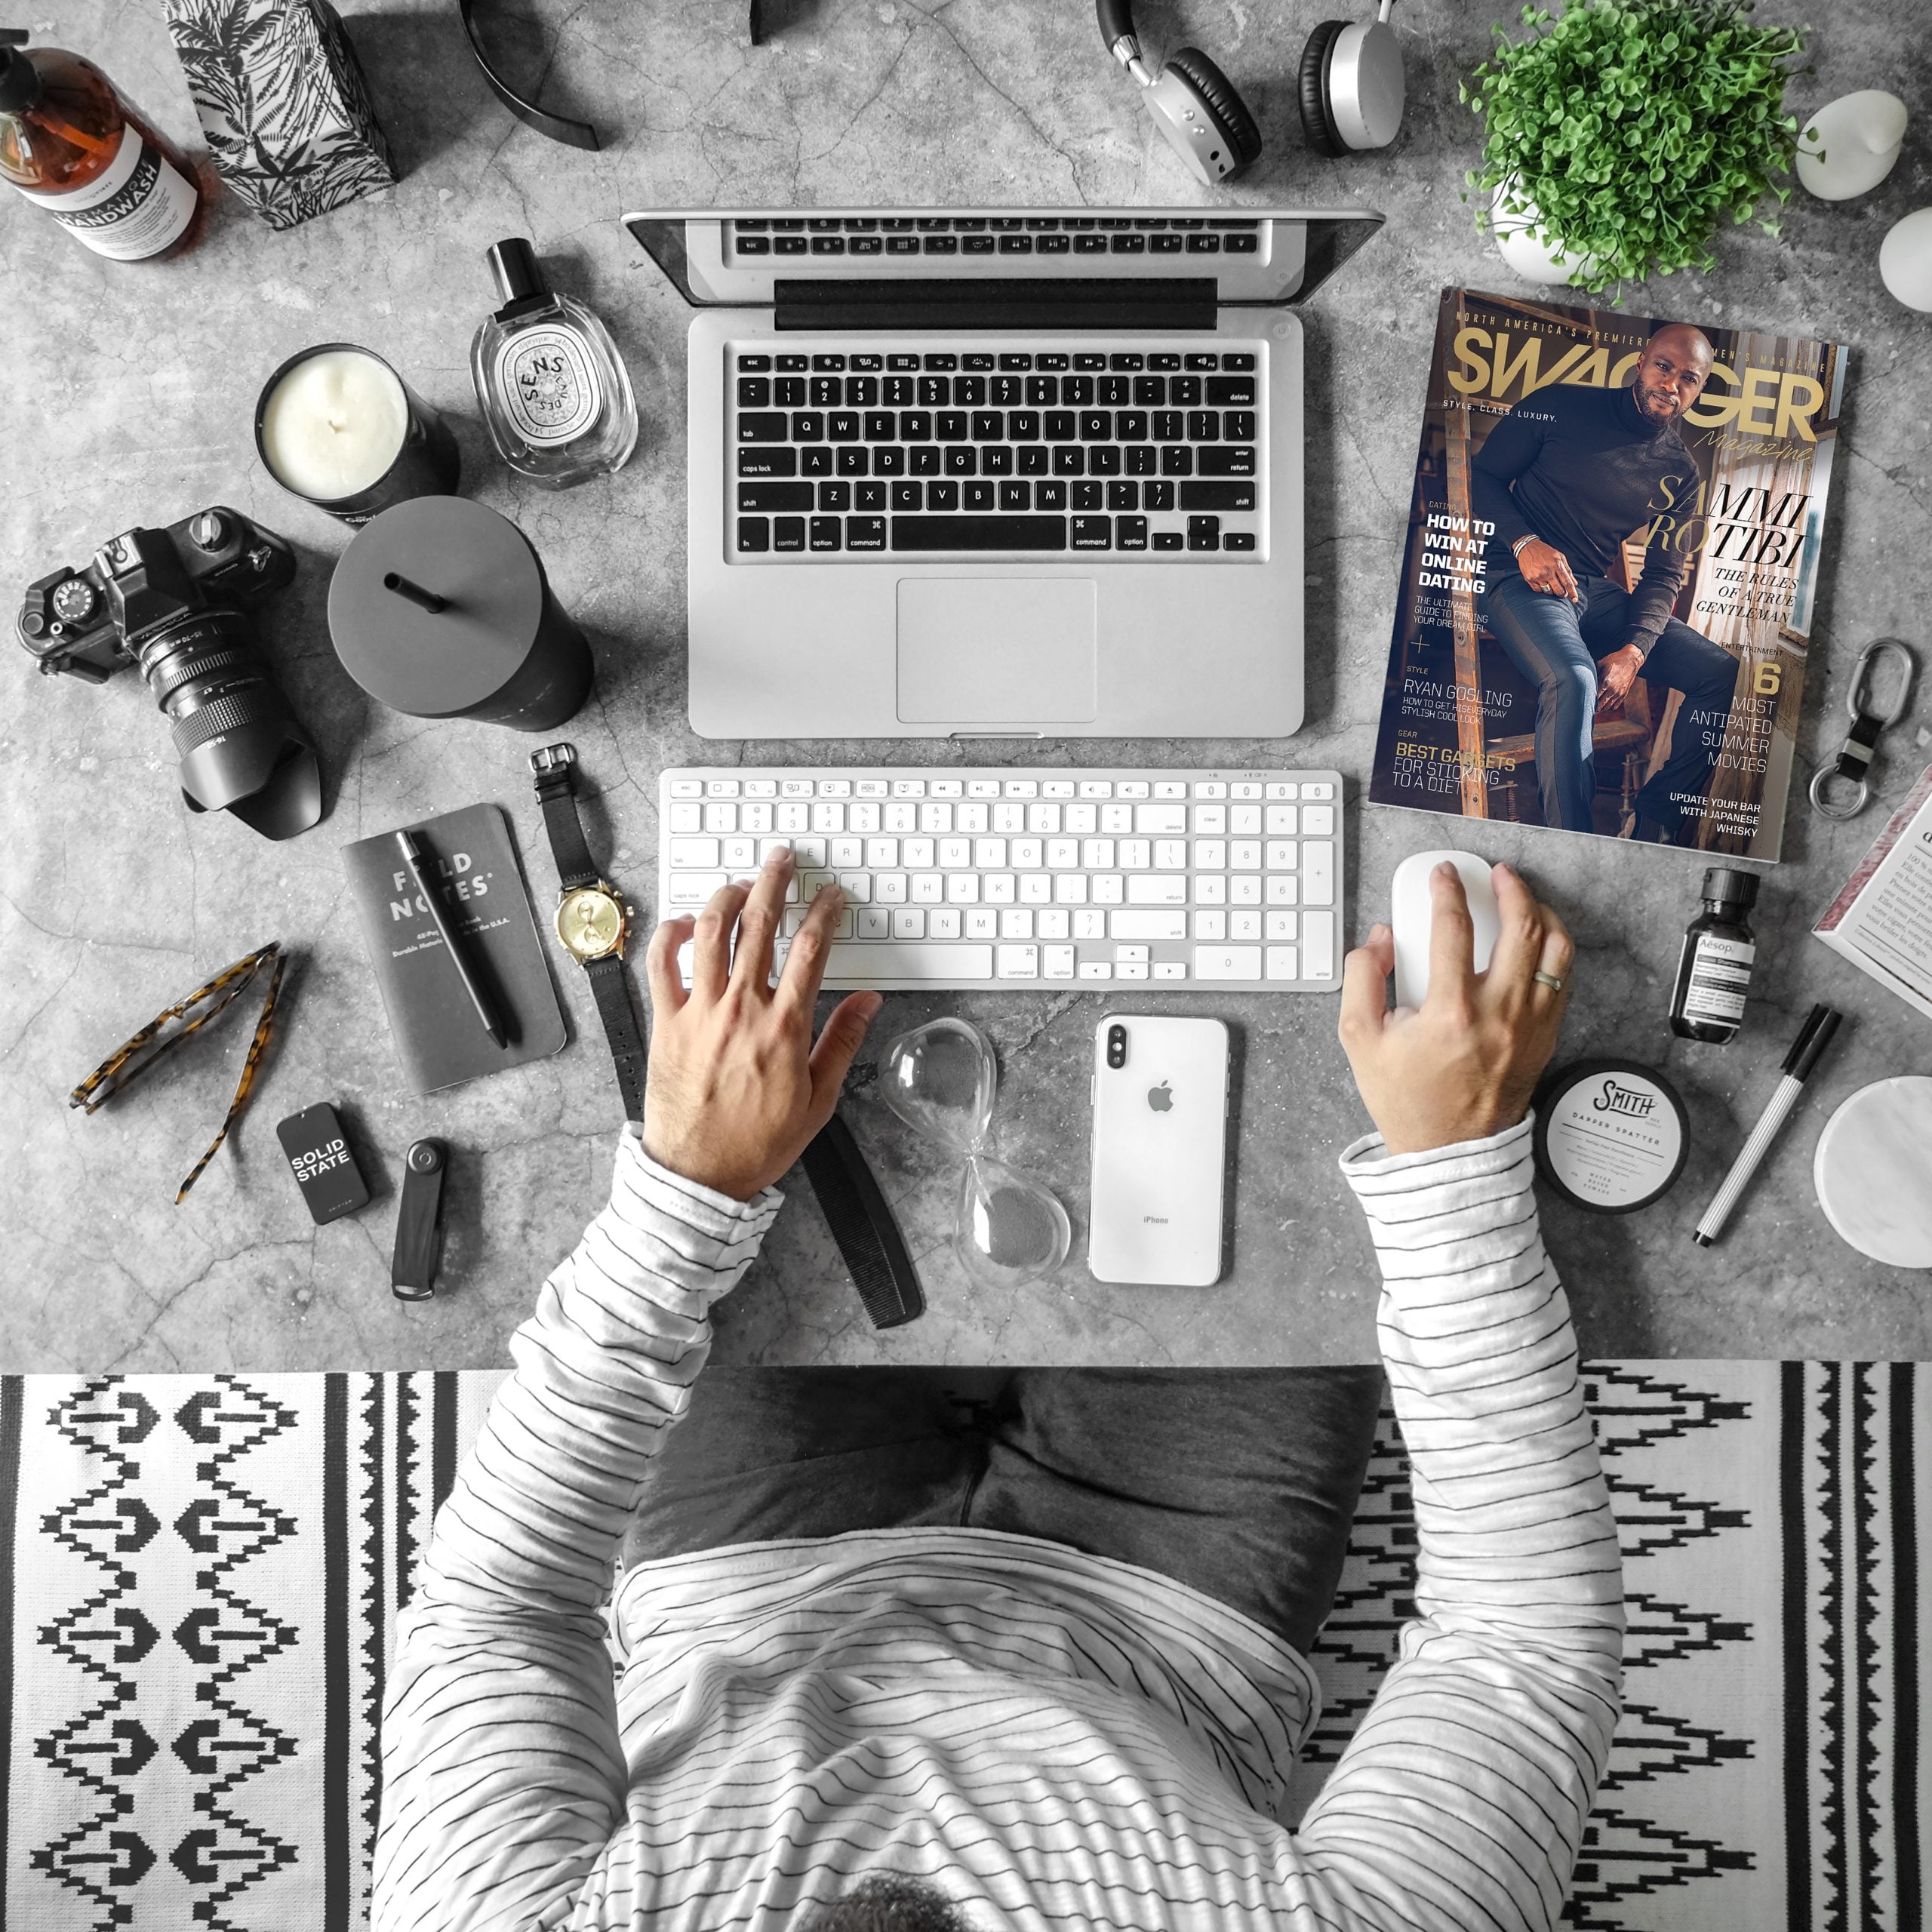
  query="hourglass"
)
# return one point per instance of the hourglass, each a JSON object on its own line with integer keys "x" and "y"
{"x": 940, "y": 1080}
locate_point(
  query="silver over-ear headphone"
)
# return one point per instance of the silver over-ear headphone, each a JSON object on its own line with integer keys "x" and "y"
{"x": 1350, "y": 93}
{"x": 1192, "y": 102}
{"x": 1351, "y": 87}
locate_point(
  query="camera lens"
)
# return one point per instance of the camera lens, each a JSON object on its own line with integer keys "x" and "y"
{"x": 241, "y": 749}
{"x": 1116, "y": 1046}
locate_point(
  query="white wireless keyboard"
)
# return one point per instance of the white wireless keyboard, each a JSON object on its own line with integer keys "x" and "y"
{"x": 1017, "y": 877}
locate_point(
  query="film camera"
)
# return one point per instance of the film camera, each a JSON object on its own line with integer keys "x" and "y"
{"x": 174, "y": 601}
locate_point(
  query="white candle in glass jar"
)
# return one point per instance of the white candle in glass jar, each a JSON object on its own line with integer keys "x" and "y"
{"x": 334, "y": 424}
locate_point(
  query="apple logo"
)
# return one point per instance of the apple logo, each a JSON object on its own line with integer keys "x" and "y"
{"x": 1159, "y": 1099}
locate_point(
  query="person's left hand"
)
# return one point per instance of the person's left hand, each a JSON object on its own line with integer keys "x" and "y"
{"x": 1615, "y": 675}
{"x": 736, "y": 1088}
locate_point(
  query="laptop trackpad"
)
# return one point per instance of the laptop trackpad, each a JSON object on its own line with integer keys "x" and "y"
{"x": 997, "y": 650}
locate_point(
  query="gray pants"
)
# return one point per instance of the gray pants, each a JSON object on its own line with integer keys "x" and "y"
{"x": 1241, "y": 1482}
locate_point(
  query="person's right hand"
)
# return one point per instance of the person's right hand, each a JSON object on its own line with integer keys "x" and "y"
{"x": 1546, "y": 568}
{"x": 736, "y": 1088}
{"x": 1463, "y": 1066}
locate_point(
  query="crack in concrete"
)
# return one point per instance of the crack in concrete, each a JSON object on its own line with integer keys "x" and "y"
{"x": 91, "y": 939}
{"x": 870, "y": 101}
{"x": 1045, "y": 140}
{"x": 1893, "y": 476}
{"x": 1057, "y": 1004}
{"x": 26, "y": 1025}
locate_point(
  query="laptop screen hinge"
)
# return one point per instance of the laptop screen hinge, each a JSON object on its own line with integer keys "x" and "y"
{"x": 1176, "y": 302}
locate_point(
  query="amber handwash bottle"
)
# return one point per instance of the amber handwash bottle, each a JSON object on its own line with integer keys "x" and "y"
{"x": 71, "y": 144}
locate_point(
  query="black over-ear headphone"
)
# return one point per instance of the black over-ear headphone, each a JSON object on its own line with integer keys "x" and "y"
{"x": 1350, "y": 92}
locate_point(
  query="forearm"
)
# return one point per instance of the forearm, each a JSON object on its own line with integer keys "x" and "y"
{"x": 1655, "y": 597}
{"x": 1469, "y": 1782}
{"x": 1495, "y": 503}
{"x": 1509, "y": 450}
{"x": 606, "y": 1363}
{"x": 503, "y": 1777}
{"x": 1481, "y": 1356}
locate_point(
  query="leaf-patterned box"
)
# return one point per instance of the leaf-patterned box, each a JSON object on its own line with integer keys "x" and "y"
{"x": 283, "y": 103}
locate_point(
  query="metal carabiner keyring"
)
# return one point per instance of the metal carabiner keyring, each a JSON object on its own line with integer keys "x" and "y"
{"x": 1840, "y": 789}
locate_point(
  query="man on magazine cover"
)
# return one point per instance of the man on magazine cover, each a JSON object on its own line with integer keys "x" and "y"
{"x": 1050, "y": 1673}
{"x": 1567, "y": 475}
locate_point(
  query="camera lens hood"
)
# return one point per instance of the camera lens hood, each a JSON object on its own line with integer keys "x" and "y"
{"x": 264, "y": 771}
{"x": 291, "y": 799}
{"x": 240, "y": 747}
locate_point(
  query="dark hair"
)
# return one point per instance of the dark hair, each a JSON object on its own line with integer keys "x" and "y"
{"x": 886, "y": 1902}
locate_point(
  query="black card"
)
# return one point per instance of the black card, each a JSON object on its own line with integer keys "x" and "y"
{"x": 319, "y": 1158}
{"x": 435, "y": 1025}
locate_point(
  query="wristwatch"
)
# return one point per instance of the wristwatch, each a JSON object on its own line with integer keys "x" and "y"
{"x": 591, "y": 923}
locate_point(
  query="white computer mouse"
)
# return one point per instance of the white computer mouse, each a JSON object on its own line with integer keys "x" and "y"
{"x": 1411, "y": 912}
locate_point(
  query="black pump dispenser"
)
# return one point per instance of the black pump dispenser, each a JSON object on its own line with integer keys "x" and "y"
{"x": 19, "y": 78}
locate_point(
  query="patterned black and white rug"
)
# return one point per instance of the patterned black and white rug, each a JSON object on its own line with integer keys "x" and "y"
{"x": 203, "y": 1573}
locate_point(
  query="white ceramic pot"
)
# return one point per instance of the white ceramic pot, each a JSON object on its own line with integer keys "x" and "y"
{"x": 1851, "y": 144}
{"x": 1905, "y": 260}
{"x": 1513, "y": 221}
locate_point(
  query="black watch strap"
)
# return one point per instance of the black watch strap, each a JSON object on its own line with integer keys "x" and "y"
{"x": 610, "y": 988}
{"x": 556, "y": 792}
{"x": 555, "y": 770}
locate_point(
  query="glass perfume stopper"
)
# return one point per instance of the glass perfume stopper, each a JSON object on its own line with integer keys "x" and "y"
{"x": 940, "y": 1079}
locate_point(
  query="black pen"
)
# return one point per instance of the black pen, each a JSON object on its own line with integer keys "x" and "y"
{"x": 414, "y": 856}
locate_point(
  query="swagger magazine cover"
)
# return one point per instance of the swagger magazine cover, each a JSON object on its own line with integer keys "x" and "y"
{"x": 1606, "y": 584}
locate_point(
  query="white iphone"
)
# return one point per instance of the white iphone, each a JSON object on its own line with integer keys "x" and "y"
{"x": 1160, "y": 1150}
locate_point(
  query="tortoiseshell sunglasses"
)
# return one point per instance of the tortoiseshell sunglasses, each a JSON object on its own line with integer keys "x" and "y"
{"x": 132, "y": 1057}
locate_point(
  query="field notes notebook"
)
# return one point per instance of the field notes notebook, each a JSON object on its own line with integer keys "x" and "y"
{"x": 434, "y": 1026}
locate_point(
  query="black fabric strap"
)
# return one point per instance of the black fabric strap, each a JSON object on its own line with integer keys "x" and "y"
{"x": 868, "y": 1237}
{"x": 556, "y": 792}
{"x": 611, "y": 990}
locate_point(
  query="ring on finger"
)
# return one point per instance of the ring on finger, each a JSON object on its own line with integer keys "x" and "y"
{"x": 1555, "y": 952}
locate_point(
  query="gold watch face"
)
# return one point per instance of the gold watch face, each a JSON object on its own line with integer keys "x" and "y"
{"x": 590, "y": 922}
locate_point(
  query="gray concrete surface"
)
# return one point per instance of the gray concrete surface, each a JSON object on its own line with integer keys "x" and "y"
{"x": 127, "y": 398}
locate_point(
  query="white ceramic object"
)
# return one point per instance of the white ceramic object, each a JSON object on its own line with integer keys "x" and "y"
{"x": 1873, "y": 1171}
{"x": 1905, "y": 260}
{"x": 1512, "y": 220}
{"x": 1851, "y": 144}
{"x": 1412, "y": 916}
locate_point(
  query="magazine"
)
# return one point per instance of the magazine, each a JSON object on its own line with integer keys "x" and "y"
{"x": 1608, "y": 574}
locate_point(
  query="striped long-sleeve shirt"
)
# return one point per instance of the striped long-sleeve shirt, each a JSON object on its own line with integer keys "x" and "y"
{"x": 1054, "y": 1740}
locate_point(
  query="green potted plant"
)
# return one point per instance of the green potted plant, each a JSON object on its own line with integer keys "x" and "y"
{"x": 1618, "y": 134}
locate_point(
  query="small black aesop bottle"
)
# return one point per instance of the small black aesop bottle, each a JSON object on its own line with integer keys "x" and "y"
{"x": 1714, "y": 969}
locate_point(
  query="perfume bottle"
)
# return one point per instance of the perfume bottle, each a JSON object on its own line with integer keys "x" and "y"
{"x": 1714, "y": 969}
{"x": 71, "y": 141}
{"x": 553, "y": 391}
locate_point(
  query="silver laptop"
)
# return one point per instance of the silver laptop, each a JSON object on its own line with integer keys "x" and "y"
{"x": 996, "y": 472}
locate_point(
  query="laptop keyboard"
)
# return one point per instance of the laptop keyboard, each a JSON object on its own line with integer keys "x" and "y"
{"x": 957, "y": 235}
{"x": 1015, "y": 878}
{"x": 1021, "y": 450}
